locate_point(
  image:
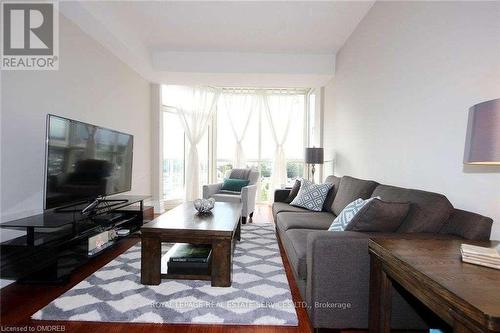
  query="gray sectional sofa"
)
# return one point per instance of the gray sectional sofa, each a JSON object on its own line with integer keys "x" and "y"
{"x": 332, "y": 269}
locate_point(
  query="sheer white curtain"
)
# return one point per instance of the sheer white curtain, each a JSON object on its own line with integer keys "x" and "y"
{"x": 239, "y": 108}
{"x": 195, "y": 107}
{"x": 280, "y": 109}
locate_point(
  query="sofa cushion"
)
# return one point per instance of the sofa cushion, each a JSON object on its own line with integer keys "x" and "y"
{"x": 280, "y": 207}
{"x": 348, "y": 214}
{"x": 225, "y": 197}
{"x": 295, "y": 243}
{"x": 234, "y": 185}
{"x": 428, "y": 210}
{"x": 311, "y": 196}
{"x": 351, "y": 189}
{"x": 289, "y": 220}
{"x": 293, "y": 192}
{"x": 239, "y": 173}
{"x": 327, "y": 205}
{"x": 230, "y": 192}
{"x": 379, "y": 216}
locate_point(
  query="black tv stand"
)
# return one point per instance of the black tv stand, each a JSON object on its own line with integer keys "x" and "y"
{"x": 96, "y": 205}
{"x": 56, "y": 242}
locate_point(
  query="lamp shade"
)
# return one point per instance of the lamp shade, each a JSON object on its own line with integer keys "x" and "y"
{"x": 482, "y": 144}
{"x": 314, "y": 155}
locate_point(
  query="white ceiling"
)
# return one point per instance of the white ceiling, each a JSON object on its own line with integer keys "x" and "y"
{"x": 252, "y": 26}
{"x": 161, "y": 35}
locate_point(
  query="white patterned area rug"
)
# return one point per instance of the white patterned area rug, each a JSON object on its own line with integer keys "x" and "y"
{"x": 259, "y": 295}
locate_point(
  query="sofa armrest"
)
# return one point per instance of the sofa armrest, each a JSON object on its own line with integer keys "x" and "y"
{"x": 338, "y": 278}
{"x": 338, "y": 271}
{"x": 280, "y": 195}
{"x": 248, "y": 194}
{"x": 468, "y": 225}
{"x": 211, "y": 189}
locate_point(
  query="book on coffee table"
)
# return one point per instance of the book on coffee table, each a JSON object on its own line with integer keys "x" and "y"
{"x": 182, "y": 252}
{"x": 189, "y": 259}
{"x": 479, "y": 255}
{"x": 188, "y": 268}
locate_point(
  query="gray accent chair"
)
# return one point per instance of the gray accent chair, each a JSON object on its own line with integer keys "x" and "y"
{"x": 246, "y": 197}
{"x": 332, "y": 269}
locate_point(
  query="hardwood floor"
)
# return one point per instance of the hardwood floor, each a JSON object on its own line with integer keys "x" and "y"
{"x": 18, "y": 302}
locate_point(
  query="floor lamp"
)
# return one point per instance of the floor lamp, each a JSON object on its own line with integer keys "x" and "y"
{"x": 314, "y": 156}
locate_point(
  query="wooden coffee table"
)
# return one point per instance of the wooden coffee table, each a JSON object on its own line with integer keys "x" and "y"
{"x": 220, "y": 229}
{"x": 465, "y": 296}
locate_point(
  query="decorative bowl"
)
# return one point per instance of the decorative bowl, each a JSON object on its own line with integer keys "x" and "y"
{"x": 204, "y": 206}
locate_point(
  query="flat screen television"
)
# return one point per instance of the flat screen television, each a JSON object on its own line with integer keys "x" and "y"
{"x": 84, "y": 162}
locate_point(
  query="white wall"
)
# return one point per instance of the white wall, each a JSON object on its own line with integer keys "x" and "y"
{"x": 396, "y": 110}
{"x": 91, "y": 85}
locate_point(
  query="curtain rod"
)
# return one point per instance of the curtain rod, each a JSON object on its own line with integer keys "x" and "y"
{"x": 252, "y": 89}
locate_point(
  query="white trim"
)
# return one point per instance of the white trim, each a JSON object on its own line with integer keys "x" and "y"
{"x": 157, "y": 145}
{"x": 320, "y": 107}
{"x": 243, "y": 62}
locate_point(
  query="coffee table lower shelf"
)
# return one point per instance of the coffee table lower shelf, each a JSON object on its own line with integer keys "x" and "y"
{"x": 186, "y": 277}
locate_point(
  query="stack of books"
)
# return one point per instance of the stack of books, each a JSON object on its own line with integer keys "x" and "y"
{"x": 189, "y": 259}
{"x": 478, "y": 255}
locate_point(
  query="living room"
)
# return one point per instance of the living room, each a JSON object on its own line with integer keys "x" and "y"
{"x": 328, "y": 141}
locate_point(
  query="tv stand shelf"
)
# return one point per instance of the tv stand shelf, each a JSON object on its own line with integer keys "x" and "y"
{"x": 56, "y": 242}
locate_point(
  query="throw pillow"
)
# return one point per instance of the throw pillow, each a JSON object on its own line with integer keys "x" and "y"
{"x": 234, "y": 185}
{"x": 379, "y": 216}
{"x": 293, "y": 193}
{"x": 327, "y": 205}
{"x": 347, "y": 214}
{"x": 311, "y": 196}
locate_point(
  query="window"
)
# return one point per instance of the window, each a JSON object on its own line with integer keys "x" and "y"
{"x": 173, "y": 157}
{"x": 259, "y": 145}
{"x": 225, "y": 146}
{"x": 312, "y": 119}
{"x": 175, "y": 149}
{"x": 217, "y": 148}
{"x": 295, "y": 143}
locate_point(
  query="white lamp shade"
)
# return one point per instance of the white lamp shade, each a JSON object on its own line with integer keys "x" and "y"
{"x": 482, "y": 145}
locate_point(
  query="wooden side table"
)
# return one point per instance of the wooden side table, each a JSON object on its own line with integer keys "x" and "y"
{"x": 465, "y": 296}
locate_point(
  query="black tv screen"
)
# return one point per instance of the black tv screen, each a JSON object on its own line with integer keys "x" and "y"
{"x": 85, "y": 161}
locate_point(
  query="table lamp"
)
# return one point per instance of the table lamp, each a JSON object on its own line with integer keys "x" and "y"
{"x": 314, "y": 156}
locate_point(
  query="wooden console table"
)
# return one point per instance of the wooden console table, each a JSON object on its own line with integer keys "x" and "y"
{"x": 465, "y": 296}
